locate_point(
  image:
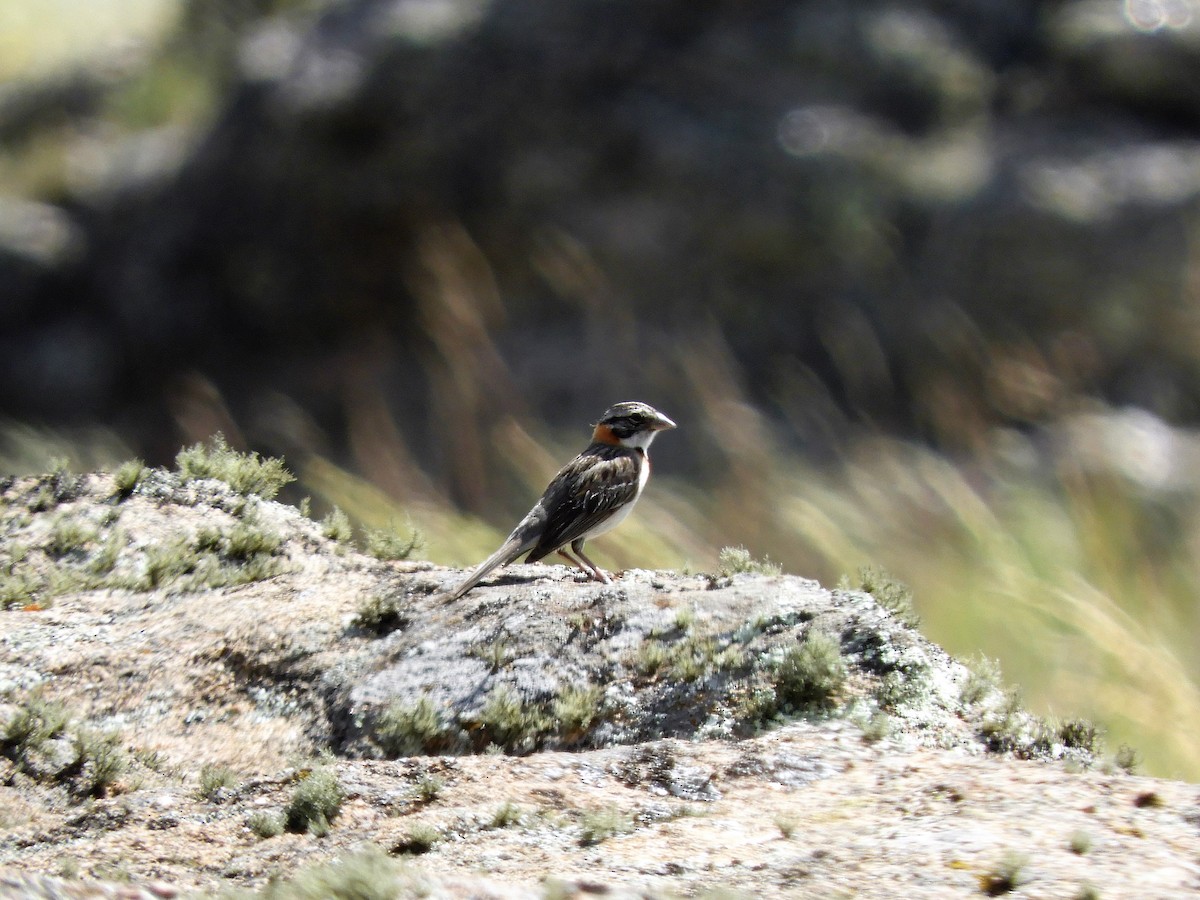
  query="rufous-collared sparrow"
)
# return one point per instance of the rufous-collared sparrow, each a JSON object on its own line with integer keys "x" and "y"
{"x": 590, "y": 495}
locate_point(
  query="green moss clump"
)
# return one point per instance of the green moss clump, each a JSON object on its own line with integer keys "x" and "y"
{"x": 419, "y": 839}
{"x": 315, "y": 803}
{"x": 265, "y": 825}
{"x": 738, "y": 561}
{"x": 336, "y": 526}
{"x": 379, "y": 615}
{"x": 213, "y": 779}
{"x": 36, "y": 721}
{"x": 127, "y": 478}
{"x": 389, "y": 544}
{"x": 68, "y": 535}
{"x": 811, "y": 674}
{"x": 511, "y": 723}
{"x": 43, "y": 740}
{"x": 575, "y": 709}
{"x": 407, "y": 730}
{"x": 894, "y": 596}
{"x": 507, "y": 814}
{"x": 366, "y": 875}
{"x": 600, "y": 825}
{"x": 1080, "y": 734}
{"x": 245, "y": 473}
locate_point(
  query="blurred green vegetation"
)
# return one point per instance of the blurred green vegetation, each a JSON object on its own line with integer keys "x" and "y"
{"x": 40, "y": 38}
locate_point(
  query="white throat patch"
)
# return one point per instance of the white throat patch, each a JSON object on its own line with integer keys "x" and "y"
{"x": 641, "y": 440}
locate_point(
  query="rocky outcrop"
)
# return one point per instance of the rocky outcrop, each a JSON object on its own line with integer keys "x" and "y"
{"x": 199, "y": 689}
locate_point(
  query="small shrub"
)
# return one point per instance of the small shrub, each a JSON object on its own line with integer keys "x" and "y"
{"x": 508, "y": 813}
{"x": 1080, "y": 734}
{"x": 786, "y": 825}
{"x": 600, "y": 825}
{"x": 1081, "y": 842}
{"x": 698, "y": 656}
{"x": 892, "y": 595}
{"x": 689, "y": 659}
{"x": 366, "y": 875}
{"x": 511, "y": 723}
{"x": 907, "y": 684}
{"x": 336, "y": 526}
{"x": 59, "y": 486}
{"x": 651, "y": 657}
{"x": 245, "y": 473}
{"x": 389, "y": 544}
{"x": 151, "y": 759}
{"x": 1006, "y": 877}
{"x": 315, "y": 803}
{"x": 755, "y": 703}
{"x": 419, "y": 839}
{"x": 1001, "y": 729}
{"x": 380, "y": 615}
{"x": 127, "y": 478}
{"x": 576, "y": 708}
{"x": 738, "y": 561}
{"x": 69, "y": 868}
{"x": 243, "y": 554}
{"x": 17, "y": 589}
{"x": 876, "y": 727}
{"x": 167, "y": 562}
{"x": 116, "y": 872}
{"x": 408, "y": 730}
{"x": 811, "y": 674}
{"x": 984, "y": 678}
{"x": 105, "y": 559}
{"x": 1128, "y": 759}
{"x": 247, "y": 540}
{"x": 36, "y": 721}
{"x": 68, "y": 535}
{"x": 101, "y": 761}
{"x": 496, "y": 653}
{"x": 265, "y": 825}
{"x": 213, "y": 779}
{"x": 428, "y": 788}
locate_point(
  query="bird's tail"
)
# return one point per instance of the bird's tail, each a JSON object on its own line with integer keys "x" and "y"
{"x": 511, "y": 549}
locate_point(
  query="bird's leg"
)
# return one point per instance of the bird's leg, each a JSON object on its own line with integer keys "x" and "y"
{"x": 592, "y": 573}
{"x": 573, "y": 561}
{"x": 586, "y": 566}
{"x": 577, "y": 547}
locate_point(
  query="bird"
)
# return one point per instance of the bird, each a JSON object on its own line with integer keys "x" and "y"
{"x": 590, "y": 495}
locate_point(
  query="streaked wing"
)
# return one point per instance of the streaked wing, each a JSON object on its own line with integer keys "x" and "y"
{"x": 588, "y": 490}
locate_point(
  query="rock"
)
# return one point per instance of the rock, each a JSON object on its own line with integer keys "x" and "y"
{"x": 646, "y": 748}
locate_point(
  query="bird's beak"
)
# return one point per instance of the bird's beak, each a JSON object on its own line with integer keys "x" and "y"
{"x": 662, "y": 423}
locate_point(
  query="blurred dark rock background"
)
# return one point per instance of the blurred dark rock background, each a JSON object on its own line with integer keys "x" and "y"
{"x": 399, "y": 222}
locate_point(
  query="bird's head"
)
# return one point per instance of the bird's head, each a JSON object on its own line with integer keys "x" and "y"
{"x": 632, "y": 424}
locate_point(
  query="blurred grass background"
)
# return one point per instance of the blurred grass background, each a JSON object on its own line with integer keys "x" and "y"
{"x": 1036, "y": 520}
